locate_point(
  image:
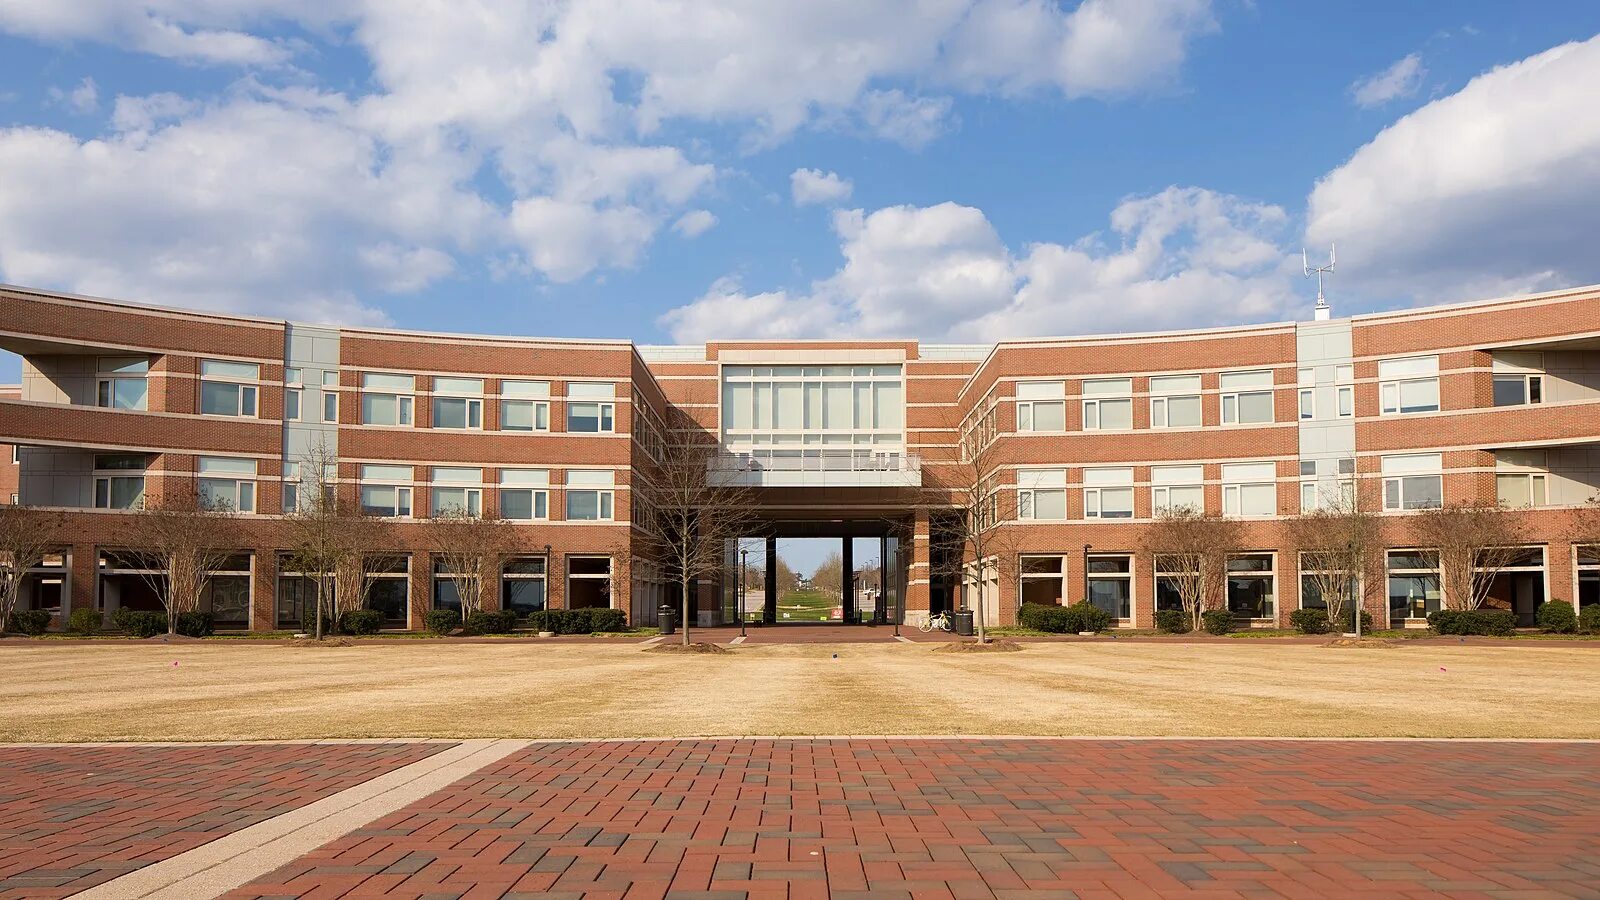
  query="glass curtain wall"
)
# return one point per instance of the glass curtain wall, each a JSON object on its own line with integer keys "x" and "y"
{"x": 785, "y": 415}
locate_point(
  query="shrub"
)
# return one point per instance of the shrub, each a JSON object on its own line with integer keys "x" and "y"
{"x": 361, "y": 621}
{"x": 32, "y": 622}
{"x": 486, "y": 622}
{"x": 196, "y": 624}
{"x": 1085, "y": 616}
{"x": 85, "y": 622}
{"x": 1310, "y": 621}
{"x": 442, "y": 621}
{"x": 1492, "y": 622}
{"x": 1044, "y": 617}
{"x": 1589, "y": 619}
{"x": 577, "y": 621}
{"x": 139, "y": 623}
{"x": 607, "y": 620}
{"x": 1217, "y": 621}
{"x": 1172, "y": 621}
{"x": 1557, "y": 617}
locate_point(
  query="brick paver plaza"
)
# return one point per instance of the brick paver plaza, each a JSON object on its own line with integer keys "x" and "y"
{"x": 73, "y": 817}
{"x": 986, "y": 818}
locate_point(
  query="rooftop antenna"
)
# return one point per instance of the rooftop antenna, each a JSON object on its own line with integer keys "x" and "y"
{"x": 1323, "y": 312}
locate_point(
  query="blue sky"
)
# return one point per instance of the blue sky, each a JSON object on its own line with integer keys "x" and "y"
{"x": 623, "y": 169}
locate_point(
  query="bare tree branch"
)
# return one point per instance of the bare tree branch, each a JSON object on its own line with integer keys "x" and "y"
{"x": 1191, "y": 550}
{"x": 329, "y": 538}
{"x": 1339, "y": 546}
{"x": 470, "y": 550}
{"x": 25, "y": 539}
{"x": 1475, "y": 542}
{"x": 180, "y": 535}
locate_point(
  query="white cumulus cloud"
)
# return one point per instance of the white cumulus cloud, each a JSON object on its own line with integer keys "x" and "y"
{"x": 1398, "y": 81}
{"x": 814, "y": 186}
{"x": 695, "y": 222}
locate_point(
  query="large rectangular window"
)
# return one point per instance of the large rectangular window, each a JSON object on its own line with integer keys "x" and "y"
{"x": 119, "y": 480}
{"x": 524, "y": 406}
{"x": 1107, "y": 404}
{"x": 1108, "y": 493}
{"x": 457, "y": 491}
{"x": 828, "y": 410}
{"x": 227, "y": 483}
{"x": 1042, "y": 494}
{"x": 1043, "y": 579}
{"x": 1409, "y": 385}
{"x": 588, "y": 582}
{"x": 1587, "y": 557}
{"x": 1175, "y": 401}
{"x": 591, "y": 406}
{"x": 590, "y": 496}
{"x": 120, "y": 383}
{"x": 228, "y": 388}
{"x": 1252, "y": 584}
{"x": 1413, "y": 585}
{"x": 387, "y": 399}
{"x": 1246, "y": 397}
{"x": 1412, "y": 481}
{"x": 524, "y": 494}
{"x": 1041, "y": 406}
{"x": 458, "y": 403}
{"x": 386, "y": 490}
{"x": 522, "y": 584}
{"x": 1249, "y": 489}
{"x": 389, "y": 588}
{"x": 1177, "y": 487}
{"x": 1111, "y": 583}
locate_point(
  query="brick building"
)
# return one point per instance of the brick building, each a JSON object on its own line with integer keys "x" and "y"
{"x": 1084, "y": 440}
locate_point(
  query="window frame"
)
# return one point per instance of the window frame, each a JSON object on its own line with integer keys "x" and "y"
{"x": 1230, "y": 401}
{"x": 1161, "y": 400}
{"x": 1049, "y": 393}
{"x": 1093, "y": 405}
{"x": 247, "y": 390}
{"x": 1392, "y": 387}
{"x": 1532, "y": 385}
{"x": 405, "y": 406}
{"x": 1094, "y": 493}
{"x": 242, "y": 484}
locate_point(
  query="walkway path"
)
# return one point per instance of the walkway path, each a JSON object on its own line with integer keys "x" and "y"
{"x": 893, "y": 818}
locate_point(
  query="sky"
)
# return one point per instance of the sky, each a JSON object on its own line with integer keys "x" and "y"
{"x": 950, "y": 170}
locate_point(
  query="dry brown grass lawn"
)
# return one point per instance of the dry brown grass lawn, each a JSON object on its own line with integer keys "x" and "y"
{"x": 265, "y": 691}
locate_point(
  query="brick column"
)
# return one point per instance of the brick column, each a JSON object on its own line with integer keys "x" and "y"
{"x": 81, "y": 579}
{"x": 264, "y": 591}
{"x": 918, "y": 589}
{"x": 421, "y": 591}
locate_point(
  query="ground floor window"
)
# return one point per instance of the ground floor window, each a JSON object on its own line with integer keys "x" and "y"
{"x": 1413, "y": 585}
{"x": 1519, "y": 586}
{"x": 1251, "y": 585}
{"x": 1043, "y": 579}
{"x": 446, "y": 590}
{"x": 227, "y": 594}
{"x": 45, "y": 586}
{"x": 1168, "y": 593}
{"x": 296, "y": 605}
{"x": 1588, "y": 559}
{"x": 1111, "y": 583}
{"x": 389, "y": 588}
{"x": 130, "y": 580}
{"x": 588, "y": 582}
{"x": 522, "y": 585}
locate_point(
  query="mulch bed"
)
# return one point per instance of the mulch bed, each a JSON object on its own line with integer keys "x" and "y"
{"x": 998, "y": 646}
{"x": 688, "y": 648}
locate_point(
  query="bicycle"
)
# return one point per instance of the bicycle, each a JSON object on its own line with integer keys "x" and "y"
{"x": 942, "y": 621}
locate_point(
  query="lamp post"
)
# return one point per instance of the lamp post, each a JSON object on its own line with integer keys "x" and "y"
{"x": 744, "y": 556}
{"x": 1086, "y": 572}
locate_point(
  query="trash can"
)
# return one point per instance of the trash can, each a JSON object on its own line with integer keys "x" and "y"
{"x": 963, "y": 618}
{"x": 667, "y": 618}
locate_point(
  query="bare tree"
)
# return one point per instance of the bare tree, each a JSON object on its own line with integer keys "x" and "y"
{"x": 181, "y": 535}
{"x": 1191, "y": 548}
{"x": 470, "y": 549}
{"x": 25, "y": 538}
{"x": 1338, "y": 545}
{"x": 688, "y": 503}
{"x": 1475, "y": 541}
{"x": 961, "y": 490}
{"x": 829, "y": 575}
{"x": 329, "y": 539}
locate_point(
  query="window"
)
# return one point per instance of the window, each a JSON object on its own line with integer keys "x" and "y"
{"x": 1175, "y": 401}
{"x": 386, "y": 490}
{"x": 1171, "y": 572}
{"x": 1041, "y": 406}
{"x": 1409, "y": 385}
{"x": 330, "y": 397}
{"x": 291, "y": 487}
{"x": 1518, "y": 390}
{"x": 227, "y": 484}
{"x": 1315, "y": 574}
{"x": 119, "y": 480}
{"x": 1107, "y": 404}
{"x": 589, "y": 494}
{"x": 1246, "y": 397}
{"x": 524, "y": 494}
{"x": 120, "y": 383}
{"x": 1344, "y": 378}
{"x": 1111, "y": 583}
{"x": 457, "y": 492}
{"x": 1412, "y": 481}
{"x": 1588, "y": 562}
{"x": 297, "y": 595}
{"x": 1043, "y": 579}
{"x": 386, "y": 399}
{"x": 1249, "y": 489}
{"x": 1308, "y": 404}
{"x": 1042, "y": 494}
{"x": 522, "y": 584}
{"x": 446, "y": 588}
{"x": 1177, "y": 487}
{"x": 588, "y": 582}
{"x": 525, "y": 406}
{"x": 1251, "y": 585}
{"x": 1413, "y": 585}
{"x": 586, "y": 412}
{"x": 228, "y": 388}
{"x": 389, "y": 588}
{"x": 458, "y": 402}
{"x": 1108, "y": 493}
{"x": 1521, "y": 489}
{"x": 227, "y": 593}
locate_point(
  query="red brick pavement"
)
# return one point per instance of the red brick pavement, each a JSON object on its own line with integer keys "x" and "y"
{"x": 73, "y": 817}
{"x": 985, "y": 818}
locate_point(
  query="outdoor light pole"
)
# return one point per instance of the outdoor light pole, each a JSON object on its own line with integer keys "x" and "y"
{"x": 744, "y": 556}
{"x": 1086, "y": 572}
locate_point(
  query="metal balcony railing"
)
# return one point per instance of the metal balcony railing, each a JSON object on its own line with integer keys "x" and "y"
{"x": 818, "y": 460}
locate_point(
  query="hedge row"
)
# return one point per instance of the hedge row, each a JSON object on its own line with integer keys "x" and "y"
{"x": 1315, "y": 621}
{"x": 32, "y": 622}
{"x": 560, "y": 621}
{"x": 1493, "y": 622}
{"x": 1079, "y": 617}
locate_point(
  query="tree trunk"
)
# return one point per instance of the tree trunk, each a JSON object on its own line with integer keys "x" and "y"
{"x": 684, "y": 625}
{"x": 320, "y": 602}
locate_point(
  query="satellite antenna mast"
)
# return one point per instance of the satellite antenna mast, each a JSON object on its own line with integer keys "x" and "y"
{"x": 1323, "y": 312}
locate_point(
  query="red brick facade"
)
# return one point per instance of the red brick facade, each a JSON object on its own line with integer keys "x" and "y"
{"x": 66, "y": 342}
